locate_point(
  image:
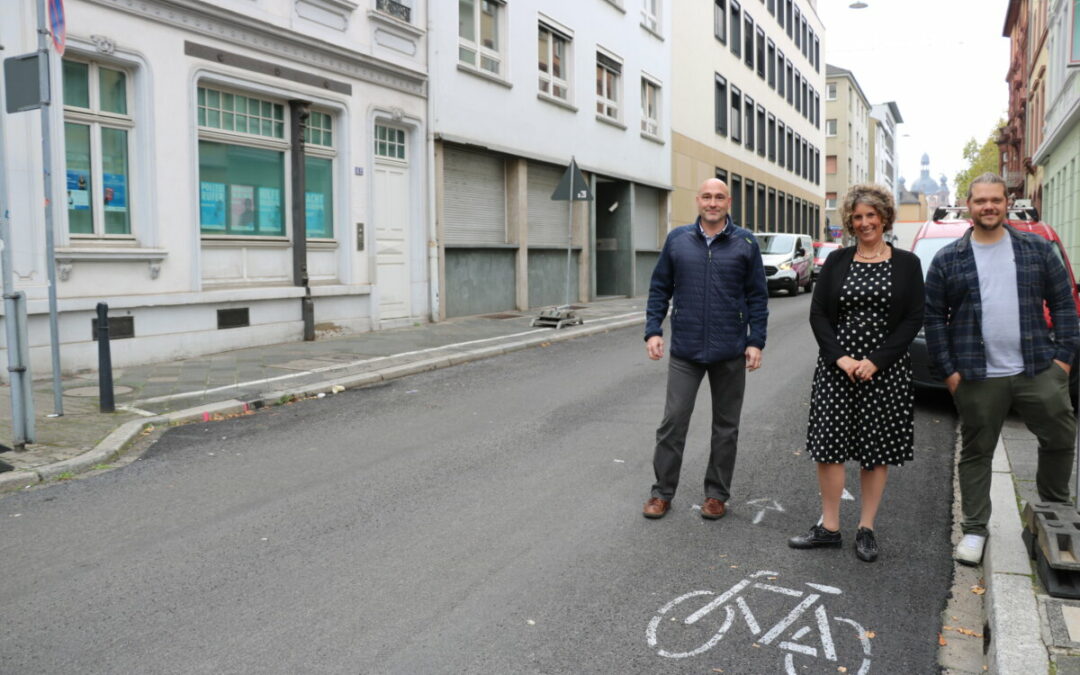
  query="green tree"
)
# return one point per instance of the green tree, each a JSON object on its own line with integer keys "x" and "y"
{"x": 981, "y": 158}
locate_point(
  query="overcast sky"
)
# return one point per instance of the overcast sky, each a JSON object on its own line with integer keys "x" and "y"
{"x": 942, "y": 61}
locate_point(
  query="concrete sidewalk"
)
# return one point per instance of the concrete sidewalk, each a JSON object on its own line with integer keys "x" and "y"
{"x": 236, "y": 381}
{"x": 1030, "y": 632}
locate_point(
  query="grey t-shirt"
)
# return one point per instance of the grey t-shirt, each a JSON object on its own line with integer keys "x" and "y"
{"x": 1000, "y": 307}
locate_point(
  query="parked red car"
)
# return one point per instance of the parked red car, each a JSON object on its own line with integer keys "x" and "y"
{"x": 948, "y": 225}
{"x": 822, "y": 249}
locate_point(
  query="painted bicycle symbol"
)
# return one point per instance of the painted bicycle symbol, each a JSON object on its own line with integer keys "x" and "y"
{"x": 788, "y": 634}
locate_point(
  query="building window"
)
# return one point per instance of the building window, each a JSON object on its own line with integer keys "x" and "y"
{"x": 830, "y": 165}
{"x": 796, "y": 22}
{"x": 736, "y": 28}
{"x": 479, "y": 45}
{"x": 396, "y": 8}
{"x": 761, "y": 130}
{"x": 721, "y": 174}
{"x": 389, "y": 142}
{"x": 772, "y": 7}
{"x": 772, "y": 210}
{"x": 720, "y": 20}
{"x": 748, "y": 112}
{"x": 608, "y": 73}
{"x": 780, "y": 143}
{"x": 790, "y": 85}
{"x": 830, "y": 91}
{"x": 751, "y": 221}
{"x": 760, "y": 52}
{"x": 780, "y": 13}
{"x": 553, "y": 53}
{"x": 787, "y": 17}
{"x": 780, "y": 73}
{"x": 790, "y": 150}
{"x": 98, "y": 128}
{"x": 830, "y": 200}
{"x": 770, "y": 58}
{"x": 798, "y": 91}
{"x": 650, "y": 15}
{"x": 748, "y": 41}
{"x": 736, "y": 114}
{"x": 798, "y": 155}
{"x": 241, "y": 164}
{"x": 761, "y": 205}
{"x": 1074, "y": 34}
{"x": 736, "y": 199}
{"x": 771, "y": 135}
{"x": 721, "y": 103}
{"x": 817, "y": 55}
{"x": 650, "y": 107}
{"x": 804, "y": 100}
{"x": 830, "y": 127}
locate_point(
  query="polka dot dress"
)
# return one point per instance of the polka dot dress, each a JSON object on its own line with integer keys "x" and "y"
{"x": 872, "y": 422}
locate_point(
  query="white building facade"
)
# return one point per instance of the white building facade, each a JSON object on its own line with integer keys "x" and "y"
{"x": 216, "y": 163}
{"x": 519, "y": 87}
{"x": 884, "y": 154}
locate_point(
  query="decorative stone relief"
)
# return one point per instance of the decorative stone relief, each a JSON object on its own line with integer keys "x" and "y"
{"x": 104, "y": 44}
{"x": 155, "y": 268}
{"x": 395, "y": 42}
{"x": 64, "y": 267}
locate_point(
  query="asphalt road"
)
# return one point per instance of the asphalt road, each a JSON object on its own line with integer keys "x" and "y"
{"x": 479, "y": 519}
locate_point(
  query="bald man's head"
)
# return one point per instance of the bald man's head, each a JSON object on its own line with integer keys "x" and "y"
{"x": 713, "y": 202}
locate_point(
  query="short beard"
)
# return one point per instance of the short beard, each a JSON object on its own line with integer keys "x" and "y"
{"x": 989, "y": 228}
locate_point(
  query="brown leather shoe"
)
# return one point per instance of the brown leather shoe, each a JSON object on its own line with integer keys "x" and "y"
{"x": 713, "y": 509}
{"x": 656, "y": 508}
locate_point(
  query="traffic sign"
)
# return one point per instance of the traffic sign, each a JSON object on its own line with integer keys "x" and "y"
{"x": 572, "y": 186}
{"x": 58, "y": 25}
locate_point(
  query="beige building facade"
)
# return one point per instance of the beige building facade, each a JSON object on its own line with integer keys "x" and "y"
{"x": 847, "y": 137}
{"x": 763, "y": 134}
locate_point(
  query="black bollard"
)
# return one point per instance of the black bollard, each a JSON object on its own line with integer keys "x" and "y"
{"x": 105, "y": 383}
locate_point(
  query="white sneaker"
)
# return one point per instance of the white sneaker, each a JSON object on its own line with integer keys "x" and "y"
{"x": 970, "y": 549}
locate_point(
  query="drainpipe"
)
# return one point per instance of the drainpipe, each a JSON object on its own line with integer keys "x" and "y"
{"x": 299, "y": 111}
{"x": 429, "y": 123}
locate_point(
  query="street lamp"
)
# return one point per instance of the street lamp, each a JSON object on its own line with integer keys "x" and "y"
{"x": 858, "y": 5}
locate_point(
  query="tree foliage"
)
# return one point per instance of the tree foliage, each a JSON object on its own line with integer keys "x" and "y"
{"x": 980, "y": 158}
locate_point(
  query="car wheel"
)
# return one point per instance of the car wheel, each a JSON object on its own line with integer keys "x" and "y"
{"x": 794, "y": 288}
{"x": 810, "y": 285}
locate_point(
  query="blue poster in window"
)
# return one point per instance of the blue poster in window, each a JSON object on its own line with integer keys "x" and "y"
{"x": 270, "y": 211}
{"x": 212, "y": 206}
{"x": 1074, "y": 56}
{"x": 115, "y": 191}
{"x": 78, "y": 190}
{"x": 315, "y": 208}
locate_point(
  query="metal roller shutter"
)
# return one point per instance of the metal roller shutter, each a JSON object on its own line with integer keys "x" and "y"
{"x": 646, "y": 218}
{"x": 548, "y": 220}
{"x": 474, "y": 202}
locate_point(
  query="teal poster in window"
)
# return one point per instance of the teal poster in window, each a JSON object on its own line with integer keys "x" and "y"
{"x": 315, "y": 206}
{"x": 78, "y": 189}
{"x": 115, "y": 191}
{"x": 270, "y": 211}
{"x": 241, "y": 208}
{"x": 212, "y": 206}
{"x": 1074, "y": 53}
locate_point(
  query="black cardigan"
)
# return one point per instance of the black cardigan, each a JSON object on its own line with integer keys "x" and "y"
{"x": 905, "y": 309}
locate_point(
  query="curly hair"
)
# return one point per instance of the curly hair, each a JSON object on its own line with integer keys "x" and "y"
{"x": 874, "y": 196}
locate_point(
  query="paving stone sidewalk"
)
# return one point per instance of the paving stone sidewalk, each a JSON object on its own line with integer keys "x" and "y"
{"x": 187, "y": 389}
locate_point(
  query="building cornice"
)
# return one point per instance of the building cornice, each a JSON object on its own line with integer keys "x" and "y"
{"x": 238, "y": 30}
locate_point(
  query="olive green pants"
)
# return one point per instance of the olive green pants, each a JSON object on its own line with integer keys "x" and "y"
{"x": 1042, "y": 402}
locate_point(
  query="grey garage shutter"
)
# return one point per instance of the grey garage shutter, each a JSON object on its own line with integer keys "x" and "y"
{"x": 646, "y": 218}
{"x": 474, "y": 203}
{"x": 547, "y": 218}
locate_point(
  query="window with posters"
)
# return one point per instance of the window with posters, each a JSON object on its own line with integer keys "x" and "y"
{"x": 1074, "y": 36}
{"x": 243, "y": 143}
{"x": 98, "y": 128}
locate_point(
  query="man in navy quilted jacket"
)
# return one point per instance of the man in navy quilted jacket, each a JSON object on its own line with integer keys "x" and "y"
{"x": 711, "y": 273}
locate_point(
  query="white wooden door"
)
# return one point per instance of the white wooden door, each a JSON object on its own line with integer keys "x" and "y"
{"x": 392, "y": 240}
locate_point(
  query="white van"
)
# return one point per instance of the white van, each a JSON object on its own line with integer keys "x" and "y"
{"x": 788, "y": 260}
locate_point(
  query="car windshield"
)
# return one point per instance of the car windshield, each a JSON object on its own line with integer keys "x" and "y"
{"x": 926, "y": 249}
{"x": 825, "y": 251}
{"x": 776, "y": 243}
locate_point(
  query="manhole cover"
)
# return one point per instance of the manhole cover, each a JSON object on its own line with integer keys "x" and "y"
{"x": 91, "y": 392}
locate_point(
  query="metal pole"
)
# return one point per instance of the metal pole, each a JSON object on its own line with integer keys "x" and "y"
{"x": 22, "y": 415}
{"x": 105, "y": 381}
{"x": 50, "y": 247}
{"x": 569, "y": 241}
{"x": 299, "y": 112}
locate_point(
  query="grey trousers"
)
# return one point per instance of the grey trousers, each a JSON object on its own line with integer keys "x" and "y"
{"x": 727, "y": 381}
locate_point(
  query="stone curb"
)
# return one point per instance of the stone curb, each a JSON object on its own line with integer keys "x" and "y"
{"x": 1012, "y": 612}
{"x": 122, "y": 436}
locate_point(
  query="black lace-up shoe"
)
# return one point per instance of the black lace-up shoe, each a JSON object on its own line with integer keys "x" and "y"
{"x": 817, "y": 537}
{"x": 866, "y": 545}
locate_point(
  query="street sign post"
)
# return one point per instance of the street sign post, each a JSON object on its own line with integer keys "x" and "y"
{"x": 571, "y": 188}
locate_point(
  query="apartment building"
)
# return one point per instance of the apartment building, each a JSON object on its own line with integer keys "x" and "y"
{"x": 518, "y": 90}
{"x": 763, "y": 134}
{"x": 847, "y": 137}
{"x": 226, "y": 174}
{"x": 884, "y": 154}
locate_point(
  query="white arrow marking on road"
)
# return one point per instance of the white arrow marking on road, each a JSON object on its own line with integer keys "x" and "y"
{"x": 765, "y": 505}
{"x": 847, "y": 496}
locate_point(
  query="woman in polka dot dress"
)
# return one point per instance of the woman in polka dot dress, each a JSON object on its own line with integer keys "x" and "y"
{"x": 866, "y": 310}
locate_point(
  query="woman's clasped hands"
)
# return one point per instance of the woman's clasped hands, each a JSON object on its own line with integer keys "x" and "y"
{"x": 857, "y": 371}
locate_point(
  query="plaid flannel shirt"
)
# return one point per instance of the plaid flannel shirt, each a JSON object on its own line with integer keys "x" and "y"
{"x": 954, "y": 308}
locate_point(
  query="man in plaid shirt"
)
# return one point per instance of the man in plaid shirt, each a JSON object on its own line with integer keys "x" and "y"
{"x": 987, "y": 336}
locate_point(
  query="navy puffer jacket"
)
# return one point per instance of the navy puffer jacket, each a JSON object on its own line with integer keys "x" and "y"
{"x": 720, "y": 298}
